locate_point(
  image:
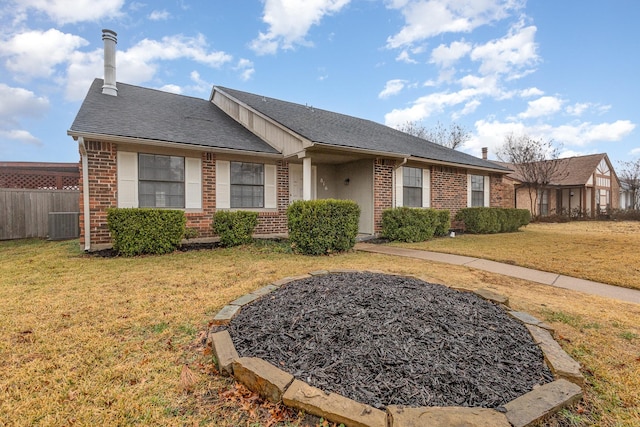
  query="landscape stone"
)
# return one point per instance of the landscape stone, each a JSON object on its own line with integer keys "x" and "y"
{"x": 541, "y": 402}
{"x": 264, "y": 290}
{"x": 224, "y": 351}
{"x": 225, "y": 315}
{"x": 489, "y": 295}
{"x": 245, "y": 299}
{"x": 319, "y": 272}
{"x": 262, "y": 377}
{"x": 525, "y": 317}
{"x": 560, "y": 363}
{"x": 400, "y": 416}
{"x": 343, "y": 270}
{"x": 332, "y": 406}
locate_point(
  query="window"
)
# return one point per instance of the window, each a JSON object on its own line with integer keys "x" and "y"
{"x": 477, "y": 190}
{"x": 543, "y": 198}
{"x": 412, "y": 187}
{"x": 247, "y": 185}
{"x": 161, "y": 181}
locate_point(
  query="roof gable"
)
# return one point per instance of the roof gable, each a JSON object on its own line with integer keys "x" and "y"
{"x": 339, "y": 130}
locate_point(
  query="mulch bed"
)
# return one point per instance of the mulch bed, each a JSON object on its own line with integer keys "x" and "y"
{"x": 382, "y": 340}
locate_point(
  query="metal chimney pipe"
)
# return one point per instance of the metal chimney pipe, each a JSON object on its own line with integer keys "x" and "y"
{"x": 110, "y": 39}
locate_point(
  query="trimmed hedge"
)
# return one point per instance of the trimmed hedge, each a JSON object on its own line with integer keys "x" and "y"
{"x": 137, "y": 231}
{"x": 234, "y": 228}
{"x": 414, "y": 224}
{"x": 318, "y": 227}
{"x": 493, "y": 220}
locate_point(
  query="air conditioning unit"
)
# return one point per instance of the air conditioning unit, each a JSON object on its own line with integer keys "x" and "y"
{"x": 64, "y": 225}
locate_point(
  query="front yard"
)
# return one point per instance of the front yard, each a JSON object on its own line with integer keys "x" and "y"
{"x": 603, "y": 251}
{"x": 103, "y": 341}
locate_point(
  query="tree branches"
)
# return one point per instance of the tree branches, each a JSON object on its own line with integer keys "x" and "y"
{"x": 453, "y": 136}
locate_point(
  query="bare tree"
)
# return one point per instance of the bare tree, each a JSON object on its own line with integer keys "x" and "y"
{"x": 535, "y": 161}
{"x": 629, "y": 173}
{"x": 453, "y": 136}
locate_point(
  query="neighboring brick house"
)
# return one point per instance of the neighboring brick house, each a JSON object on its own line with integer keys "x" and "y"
{"x": 237, "y": 150}
{"x": 583, "y": 186}
{"x": 39, "y": 175}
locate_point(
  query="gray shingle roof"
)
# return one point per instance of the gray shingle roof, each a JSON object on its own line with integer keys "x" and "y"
{"x": 327, "y": 127}
{"x": 151, "y": 114}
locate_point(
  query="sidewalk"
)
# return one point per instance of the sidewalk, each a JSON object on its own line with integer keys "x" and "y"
{"x": 552, "y": 279}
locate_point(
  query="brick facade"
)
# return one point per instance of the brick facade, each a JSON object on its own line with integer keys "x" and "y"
{"x": 499, "y": 193}
{"x": 101, "y": 159}
{"x": 276, "y": 222}
{"x": 448, "y": 188}
{"x": 382, "y": 190}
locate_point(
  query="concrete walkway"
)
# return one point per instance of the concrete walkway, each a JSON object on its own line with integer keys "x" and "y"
{"x": 552, "y": 279}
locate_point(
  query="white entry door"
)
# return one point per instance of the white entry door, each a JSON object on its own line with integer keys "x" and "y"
{"x": 295, "y": 182}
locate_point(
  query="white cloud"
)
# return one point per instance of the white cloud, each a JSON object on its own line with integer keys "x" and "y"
{"x": 392, "y": 87}
{"x": 37, "y": 53}
{"x": 289, "y": 22}
{"x": 139, "y": 63}
{"x": 446, "y": 56}
{"x": 20, "y": 135}
{"x": 404, "y": 57}
{"x": 159, "y": 15}
{"x": 428, "y": 18}
{"x": 573, "y": 153}
{"x": 510, "y": 54}
{"x": 17, "y": 102}
{"x": 635, "y": 151}
{"x": 172, "y": 88}
{"x": 246, "y": 69}
{"x": 72, "y": 11}
{"x": 542, "y": 106}
{"x": 529, "y": 92}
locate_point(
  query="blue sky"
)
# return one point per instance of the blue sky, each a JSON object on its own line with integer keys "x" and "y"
{"x": 565, "y": 71}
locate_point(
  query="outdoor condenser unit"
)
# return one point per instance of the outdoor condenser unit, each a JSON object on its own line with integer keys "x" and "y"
{"x": 64, "y": 225}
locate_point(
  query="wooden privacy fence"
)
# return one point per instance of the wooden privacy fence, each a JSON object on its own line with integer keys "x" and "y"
{"x": 25, "y": 212}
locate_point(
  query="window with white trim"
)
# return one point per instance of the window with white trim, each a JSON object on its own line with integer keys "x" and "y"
{"x": 161, "y": 181}
{"x": 412, "y": 187}
{"x": 247, "y": 185}
{"x": 477, "y": 190}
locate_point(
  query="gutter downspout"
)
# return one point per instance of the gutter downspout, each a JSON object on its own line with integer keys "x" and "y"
{"x": 85, "y": 194}
{"x": 395, "y": 196}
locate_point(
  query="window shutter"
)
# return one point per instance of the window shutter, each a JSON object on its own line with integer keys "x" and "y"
{"x": 270, "y": 187}
{"x": 127, "y": 179}
{"x": 399, "y": 201}
{"x": 223, "y": 184}
{"x": 193, "y": 183}
{"x": 426, "y": 188}
{"x": 487, "y": 188}
{"x": 469, "y": 192}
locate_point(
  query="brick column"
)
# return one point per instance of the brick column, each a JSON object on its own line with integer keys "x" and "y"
{"x": 382, "y": 190}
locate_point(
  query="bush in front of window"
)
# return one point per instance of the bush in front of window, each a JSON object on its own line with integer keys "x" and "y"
{"x": 234, "y": 228}
{"x": 493, "y": 220}
{"x": 137, "y": 231}
{"x": 319, "y": 227}
{"x": 405, "y": 224}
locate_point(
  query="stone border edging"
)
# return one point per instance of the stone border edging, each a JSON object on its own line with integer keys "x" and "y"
{"x": 277, "y": 385}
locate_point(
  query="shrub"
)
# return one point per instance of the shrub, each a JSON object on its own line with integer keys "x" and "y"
{"x": 413, "y": 224}
{"x": 234, "y": 228}
{"x": 493, "y": 220}
{"x": 318, "y": 227}
{"x": 444, "y": 223}
{"x": 137, "y": 231}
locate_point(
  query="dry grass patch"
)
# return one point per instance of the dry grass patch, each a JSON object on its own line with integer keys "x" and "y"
{"x": 94, "y": 341}
{"x": 603, "y": 251}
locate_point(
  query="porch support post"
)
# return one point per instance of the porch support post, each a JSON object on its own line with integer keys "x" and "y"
{"x": 306, "y": 178}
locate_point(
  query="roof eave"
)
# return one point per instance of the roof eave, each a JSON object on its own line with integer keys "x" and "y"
{"x": 458, "y": 165}
{"x": 167, "y": 144}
